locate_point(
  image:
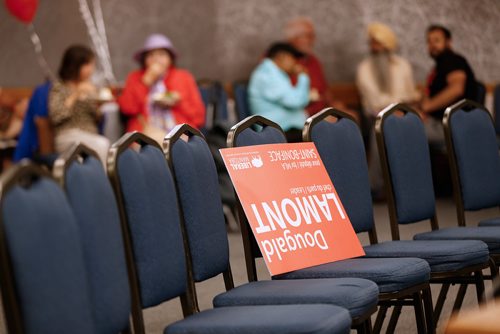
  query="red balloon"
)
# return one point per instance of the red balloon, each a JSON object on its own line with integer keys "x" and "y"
{"x": 23, "y": 10}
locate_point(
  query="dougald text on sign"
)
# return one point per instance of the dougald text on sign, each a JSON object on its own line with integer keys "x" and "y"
{"x": 291, "y": 205}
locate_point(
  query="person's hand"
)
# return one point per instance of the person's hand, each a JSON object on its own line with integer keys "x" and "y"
{"x": 299, "y": 68}
{"x": 314, "y": 95}
{"x": 20, "y": 108}
{"x": 421, "y": 113}
{"x": 153, "y": 73}
{"x": 424, "y": 105}
{"x": 423, "y": 108}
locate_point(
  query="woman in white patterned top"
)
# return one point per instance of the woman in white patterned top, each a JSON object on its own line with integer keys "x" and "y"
{"x": 73, "y": 110}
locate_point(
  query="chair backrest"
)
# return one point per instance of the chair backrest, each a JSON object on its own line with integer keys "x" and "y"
{"x": 473, "y": 152}
{"x": 253, "y": 130}
{"x": 241, "y": 100}
{"x": 340, "y": 146}
{"x": 215, "y": 98}
{"x": 42, "y": 278}
{"x": 480, "y": 92}
{"x": 149, "y": 214}
{"x": 405, "y": 159}
{"x": 91, "y": 197}
{"x": 496, "y": 107}
{"x": 202, "y": 214}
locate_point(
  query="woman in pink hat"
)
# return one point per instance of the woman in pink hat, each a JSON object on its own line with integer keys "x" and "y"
{"x": 159, "y": 95}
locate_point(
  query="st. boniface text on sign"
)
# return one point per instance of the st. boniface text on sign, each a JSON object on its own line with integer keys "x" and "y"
{"x": 291, "y": 205}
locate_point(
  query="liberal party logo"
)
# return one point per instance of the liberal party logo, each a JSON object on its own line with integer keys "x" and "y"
{"x": 257, "y": 161}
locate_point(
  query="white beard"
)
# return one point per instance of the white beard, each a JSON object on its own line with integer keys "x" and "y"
{"x": 381, "y": 68}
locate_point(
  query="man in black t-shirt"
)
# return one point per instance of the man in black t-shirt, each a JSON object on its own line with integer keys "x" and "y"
{"x": 450, "y": 81}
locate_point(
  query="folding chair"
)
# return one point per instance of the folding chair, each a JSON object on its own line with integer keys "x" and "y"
{"x": 341, "y": 148}
{"x": 475, "y": 164}
{"x": 401, "y": 281}
{"x": 155, "y": 252}
{"x": 43, "y": 279}
{"x": 404, "y": 155}
{"x": 241, "y": 99}
{"x": 215, "y": 99}
{"x": 203, "y": 223}
{"x": 81, "y": 174}
{"x": 480, "y": 92}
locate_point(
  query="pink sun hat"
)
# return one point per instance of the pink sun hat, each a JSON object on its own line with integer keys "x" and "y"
{"x": 153, "y": 42}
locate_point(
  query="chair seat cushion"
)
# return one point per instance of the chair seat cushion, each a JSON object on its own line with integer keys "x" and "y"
{"x": 441, "y": 256}
{"x": 317, "y": 319}
{"x": 489, "y": 235}
{"x": 390, "y": 274}
{"x": 359, "y": 296}
{"x": 490, "y": 222}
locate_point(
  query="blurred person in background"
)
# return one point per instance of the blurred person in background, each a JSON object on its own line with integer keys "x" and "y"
{"x": 271, "y": 93}
{"x": 28, "y": 145}
{"x": 11, "y": 116}
{"x": 450, "y": 81}
{"x": 300, "y": 33}
{"x": 382, "y": 78}
{"x": 159, "y": 95}
{"x": 73, "y": 108}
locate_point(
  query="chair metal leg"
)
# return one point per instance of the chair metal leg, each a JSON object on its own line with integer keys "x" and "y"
{"x": 137, "y": 319}
{"x": 361, "y": 329}
{"x": 496, "y": 287}
{"x": 126, "y": 331}
{"x": 379, "y": 321}
{"x": 460, "y": 297}
{"x": 429, "y": 316}
{"x": 364, "y": 328}
{"x": 440, "y": 302}
{"x": 368, "y": 325}
{"x": 478, "y": 275}
{"x": 493, "y": 269}
{"x": 419, "y": 313}
{"x": 396, "y": 312}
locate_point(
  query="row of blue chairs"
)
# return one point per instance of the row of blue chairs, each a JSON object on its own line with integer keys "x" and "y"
{"x": 341, "y": 147}
{"x": 471, "y": 141}
{"x": 84, "y": 261}
{"x": 84, "y": 234}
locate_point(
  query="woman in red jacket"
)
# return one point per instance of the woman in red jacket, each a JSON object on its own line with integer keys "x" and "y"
{"x": 159, "y": 95}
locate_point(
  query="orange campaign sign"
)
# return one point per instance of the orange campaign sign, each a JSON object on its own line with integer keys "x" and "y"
{"x": 291, "y": 205}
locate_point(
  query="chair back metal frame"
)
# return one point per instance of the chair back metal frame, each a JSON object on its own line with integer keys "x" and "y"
{"x": 332, "y": 113}
{"x": 250, "y": 246}
{"x": 21, "y": 174}
{"x": 466, "y": 105}
{"x": 389, "y": 187}
{"x": 80, "y": 152}
{"x": 184, "y": 132}
{"x": 125, "y": 142}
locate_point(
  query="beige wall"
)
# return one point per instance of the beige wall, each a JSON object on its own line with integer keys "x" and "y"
{"x": 223, "y": 39}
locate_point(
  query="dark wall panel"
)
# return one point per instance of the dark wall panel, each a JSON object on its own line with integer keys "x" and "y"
{"x": 224, "y": 39}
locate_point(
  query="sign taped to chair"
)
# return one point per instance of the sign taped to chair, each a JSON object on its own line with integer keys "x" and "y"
{"x": 295, "y": 214}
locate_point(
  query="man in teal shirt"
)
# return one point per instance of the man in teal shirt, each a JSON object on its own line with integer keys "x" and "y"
{"x": 271, "y": 93}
